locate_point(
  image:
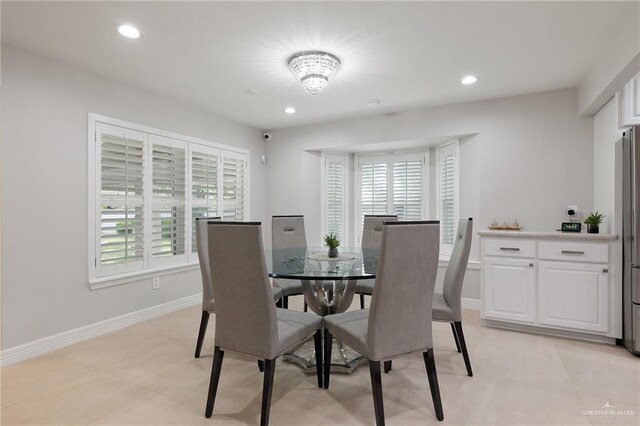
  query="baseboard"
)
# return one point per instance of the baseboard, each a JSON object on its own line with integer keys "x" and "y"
{"x": 57, "y": 341}
{"x": 468, "y": 303}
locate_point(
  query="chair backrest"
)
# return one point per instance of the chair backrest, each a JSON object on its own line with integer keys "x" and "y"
{"x": 287, "y": 232}
{"x": 246, "y": 319}
{"x": 203, "y": 257}
{"x": 400, "y": 313}
{"x": 372, "y": 230}
{"x": 454, "y": 277}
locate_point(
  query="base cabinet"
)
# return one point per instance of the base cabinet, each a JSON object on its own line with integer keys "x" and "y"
{"x": 512, "y": 293}
{"x": 573, "y": 295}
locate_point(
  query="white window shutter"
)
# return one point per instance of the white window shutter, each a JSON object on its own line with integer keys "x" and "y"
{"x": 448, "y": 195}
{"x": 373, "y": 189}
{"x": 335, "y": 195}
{"x": 204, "y": 186}
{"x": 121, "y": 177}
{"x": 234, "y": 200}
{"x": 168, "y": 192}
{"x": 407, "y": 189}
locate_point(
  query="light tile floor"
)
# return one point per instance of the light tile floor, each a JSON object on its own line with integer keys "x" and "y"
{"x": 146, "y": 375}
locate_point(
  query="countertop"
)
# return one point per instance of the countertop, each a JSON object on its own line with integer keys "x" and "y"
{"x": 557, "y": 235}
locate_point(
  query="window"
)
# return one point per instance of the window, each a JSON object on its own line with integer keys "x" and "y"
{"x": 448, "y": 195}
{"x": 335, "y": 195}
{"x": 147, "y": 186}
{"x": 391, "y": 184}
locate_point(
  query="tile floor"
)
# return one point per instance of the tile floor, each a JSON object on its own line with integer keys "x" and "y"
{"x": 146, "y": 375}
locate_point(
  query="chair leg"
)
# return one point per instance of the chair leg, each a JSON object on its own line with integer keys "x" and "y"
{"x": 306, "y": 307}
{"x": 317, "y": 341}
{"x": 203, "y": 330}
{"x": 430, "y": 364}
{"x": 285, "y": 302}
{"x": 261, "y": 365}
{"x": 328, "y": 343}
{"x": 279, "y": 303}
{"x": 463, "y": 346}
{"x": 455, "y": 336}
{"x": 361, "y": 301}
{"x": 387, "y": 366}
{"x": 267, "y": 390}
{"x": 376, "y": 388}
{"x": 216, "y": 367}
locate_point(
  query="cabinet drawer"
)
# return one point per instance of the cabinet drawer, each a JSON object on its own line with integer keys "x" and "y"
{"x": 509, "y": 248}
{"x": 575, "y": 252}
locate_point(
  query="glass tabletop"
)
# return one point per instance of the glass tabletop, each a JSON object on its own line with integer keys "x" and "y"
{"x": 312, "y": 263}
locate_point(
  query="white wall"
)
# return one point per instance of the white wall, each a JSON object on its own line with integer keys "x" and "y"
{"x": 44, "y": 193}
{"x": 532, "y": 156}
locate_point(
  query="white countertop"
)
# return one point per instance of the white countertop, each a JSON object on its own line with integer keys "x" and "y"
{"x": 557, "y": 235}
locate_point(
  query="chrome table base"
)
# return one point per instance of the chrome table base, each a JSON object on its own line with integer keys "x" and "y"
{"x": 344, "y": 359}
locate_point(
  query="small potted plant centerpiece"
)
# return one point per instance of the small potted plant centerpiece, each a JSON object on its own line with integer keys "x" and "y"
{"x": 593, "y": 222}
{"x": 332, "y": 241}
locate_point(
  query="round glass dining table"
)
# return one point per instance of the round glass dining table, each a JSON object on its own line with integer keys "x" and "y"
{"x": 328, "y": 285}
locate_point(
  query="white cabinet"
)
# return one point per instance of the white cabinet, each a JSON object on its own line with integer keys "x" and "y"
{"x": 512, "y": 293}
{"x": 573, "y": 295}
{"x": 630, "y": 103}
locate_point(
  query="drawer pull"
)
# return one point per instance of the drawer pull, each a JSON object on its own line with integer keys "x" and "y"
{"x": 509, "y": 248}
{"x": 571, "y": 252}
{"x": 531, "y": 265}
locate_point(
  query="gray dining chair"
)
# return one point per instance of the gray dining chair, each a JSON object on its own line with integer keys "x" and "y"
{"x": 447, "y": 307}
{"x": 287, "y": 232}
{"x": 208, "y": 302}
{"x": 397, "y": 322}
{"x": 371, "y": 240}
{"x": 247, "y": 320}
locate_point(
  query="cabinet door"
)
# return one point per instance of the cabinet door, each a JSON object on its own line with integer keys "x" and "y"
{"x": 509, "y": 289}
{"x": 630, "y": 103}
{"x": 573, "y": 295}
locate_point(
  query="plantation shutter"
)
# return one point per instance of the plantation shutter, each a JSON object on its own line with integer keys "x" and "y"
{"x": 234, "y": 188}
{"x": 448, "y": 195}
{"x": 168, "y": 210}
{"x": 120, "y": 176}
{"x": 204, "y": 187}
{"x": 335, "y": 202}
{"x": 407, "y": 189}
{"x": 373, "y": 189}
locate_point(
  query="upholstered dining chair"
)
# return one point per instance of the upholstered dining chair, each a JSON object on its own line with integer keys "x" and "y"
{"x": 247, "y": 320}
{"x": 371, "y": 240}
{"x": 447, "y": 307}
{"x": 397, "y": 322}
{"x": 288, "y": 232}
{"x": 208, "y": 302}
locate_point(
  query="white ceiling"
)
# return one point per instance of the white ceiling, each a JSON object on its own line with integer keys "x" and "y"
{"x": 407, "y": 55}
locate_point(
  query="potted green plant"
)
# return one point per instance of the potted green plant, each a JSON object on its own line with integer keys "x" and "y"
{"x": 332, "y": 241}
{"x": 593, "y": 222}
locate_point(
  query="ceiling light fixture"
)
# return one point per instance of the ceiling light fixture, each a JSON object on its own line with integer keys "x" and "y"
{"x": 289, "y": 110}
{"x": 129, "y": 31}
{"x": 314, "y": 69}
{"x": 470, "y": 79}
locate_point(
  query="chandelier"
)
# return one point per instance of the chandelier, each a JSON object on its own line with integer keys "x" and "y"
{"x": 314, "y": 69}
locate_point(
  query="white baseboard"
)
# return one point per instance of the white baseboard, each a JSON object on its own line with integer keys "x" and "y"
{"x": 66, "y": 338}
{"x": 468, "y": 303}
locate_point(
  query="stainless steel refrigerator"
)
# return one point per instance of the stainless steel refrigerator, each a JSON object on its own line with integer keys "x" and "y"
{"x": 631, "y": 239}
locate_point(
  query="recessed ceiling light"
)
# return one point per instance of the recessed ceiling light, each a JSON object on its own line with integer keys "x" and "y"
{"x": 289, "y": 110}
{"x": 374, "y": 103}
{"x": 129, "y": 31}
{"x": 470, "y": 79}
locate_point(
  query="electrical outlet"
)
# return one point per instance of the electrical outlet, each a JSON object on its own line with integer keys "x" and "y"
{"x": 155, "y": 284}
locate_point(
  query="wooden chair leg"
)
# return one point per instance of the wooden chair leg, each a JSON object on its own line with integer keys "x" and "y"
{"x": 216, "y": 367}
{"x": 306, "y": 307}
{"x": 203, "y": 330}
{"x": 361, "y": 301}
{"x": 455, "y": 336}
{"x": 463, "y": 346}
{"x": 430, "y": 364}
{"x": 387, "y": 366}
{"x": 280, "y": 303}
{"x": 267, "y": 390}
{"x": 317, "y": 341}
{"x": 376, "y": 388}
{"x": 261, "y": 365}
{"x": 285, "y": 302}
{"x": 328, "y": 343}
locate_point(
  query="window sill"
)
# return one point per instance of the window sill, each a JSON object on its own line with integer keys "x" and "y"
{"x": 120, "y": 279}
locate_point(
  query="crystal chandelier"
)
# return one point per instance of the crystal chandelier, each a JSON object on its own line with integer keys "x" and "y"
{"x": 314, "y": 69}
